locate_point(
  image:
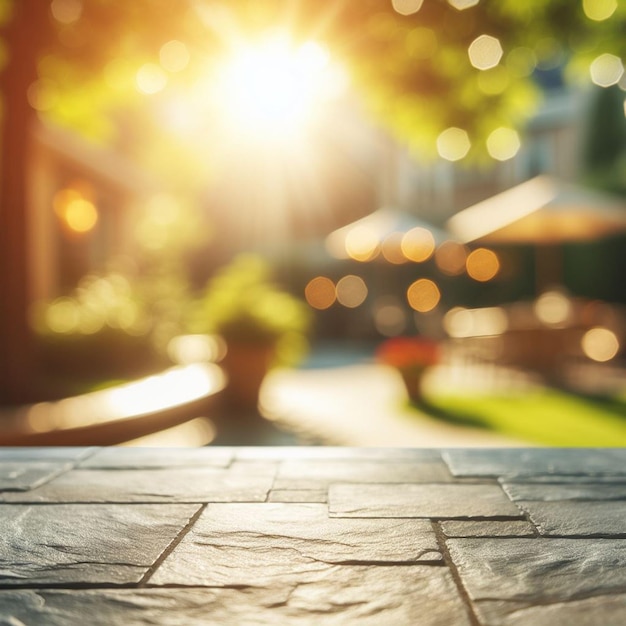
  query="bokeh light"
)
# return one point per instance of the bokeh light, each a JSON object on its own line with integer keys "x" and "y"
{"x": 606, "y": 70}
{"x": 453, "y": 144}
{"x": 553, "y": 308}
{"x": 600, "y": 344}
{"x": 482, "y": 264}
{"x": 418, "y": 244}
{"x": 599, "y": 10}
{"x": 66, "y": 11}
{"x": 407, "y": 7}
{"x": 174, "y": 56}
{"x": 461, "y": 5}
{"x": 351, "y": 291}
{"x": 390, "y": 317}
{"x": 485, "y": 52}
{"x": 392, "y": 249}
{"x": 503, "y": 143}
{"x": 320, "y": 293}
{"x": 76, "y": 211}
{"x": 451, "y": 257}
{"x": 150, "y": 78}
{"x": 423, "y": 295}
{"x": 485, "y": 322}
{"x": 362, "y": 243}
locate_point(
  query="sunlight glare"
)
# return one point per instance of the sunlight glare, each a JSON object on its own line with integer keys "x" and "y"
{"x": 274, "y": 86}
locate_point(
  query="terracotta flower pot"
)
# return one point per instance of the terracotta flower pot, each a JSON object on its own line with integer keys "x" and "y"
{"x": 246, "y": 365}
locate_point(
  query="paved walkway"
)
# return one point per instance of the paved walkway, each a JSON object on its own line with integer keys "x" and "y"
{"x": 365, "y": 404}
{"x": 366, "y": 536}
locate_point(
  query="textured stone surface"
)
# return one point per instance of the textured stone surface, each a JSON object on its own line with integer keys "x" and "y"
{"x": 578, "y": 518}
{"x": 298, "y": 495}
{"x": 539, "y": 570}
{"x": 598, "y": 611}
{"x": 536, "y": 461}
{"x": 468, "y": 528}
{"x": 45, "y": 454}
{"x": 85, "y": 543}
{"x": 402, "y": 500}
{"x": 153, "y": 485}
{"x": 312, "y": 474}
{"x": 565, "y": 491}
{"x": 159, "y": 457}
{"x": 339, "y": 595}
{"x": 16, "y": 476}
{"x": 253, "y": 544}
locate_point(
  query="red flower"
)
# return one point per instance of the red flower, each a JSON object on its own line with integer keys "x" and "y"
{"x": 408, "y": 352}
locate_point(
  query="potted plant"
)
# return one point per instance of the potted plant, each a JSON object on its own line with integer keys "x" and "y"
{"x": 261, "y": 324}
{"x": 411, "y": 356}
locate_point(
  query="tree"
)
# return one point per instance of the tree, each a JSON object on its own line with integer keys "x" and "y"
{"x": 420, "y": 66}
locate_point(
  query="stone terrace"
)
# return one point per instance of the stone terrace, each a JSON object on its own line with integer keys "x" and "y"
{"x": 314, "y": 535}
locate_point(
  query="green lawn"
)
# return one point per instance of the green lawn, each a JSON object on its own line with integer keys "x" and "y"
{"x": 546, "y": 416}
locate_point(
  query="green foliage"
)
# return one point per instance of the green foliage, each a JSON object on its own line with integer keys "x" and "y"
{"x": 242, "y": 304}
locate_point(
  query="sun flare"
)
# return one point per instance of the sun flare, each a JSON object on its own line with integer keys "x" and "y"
{"x": 272, "y": 88}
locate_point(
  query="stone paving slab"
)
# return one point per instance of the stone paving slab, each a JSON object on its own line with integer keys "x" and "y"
{"x": 257, "y": 544}
{"x": 427, "y": 501}
{"x": 578, "y": 518}
{"x": 175, "y": 484}
{"x": 71, "y": 543}
{"x": 23, "y": 476}
{"x": 313, "y": 536}
{"x": 337, "y": 596}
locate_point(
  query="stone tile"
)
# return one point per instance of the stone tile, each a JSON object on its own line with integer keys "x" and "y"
{"x": 599, "y": 611}
{"x": 336, "y": 453}
{"x": 337, "y": 596}
{"x": 257, "y": 544}
{"x": 295, "y": 474}
{"x": 565, "y": 491}
{"x": 85, "y": 543}
{"x": 578, "y": 518}
{"x": 151, "y": 485}
{"x": 536, "y": 461}
{"x": 508, "y": 528}
{"x": 298, "y": 495}
{"x": 539, "y": 570}
{"x": 130, "y": 457}
{"x": 404, "y": 500}
{"x": 22, "y": 476}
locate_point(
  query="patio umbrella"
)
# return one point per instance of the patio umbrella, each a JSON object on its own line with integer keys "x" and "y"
{"x": 544, "y": 212}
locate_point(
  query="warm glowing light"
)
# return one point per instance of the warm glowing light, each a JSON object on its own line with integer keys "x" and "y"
{"x": 320, "y": 292}
{"x": 392, "y": 249}
{"x": 485, "y": 52}
{"x": 453, "y": 144}
{"x": 461, "y": 5}
{"x": 423, "y": 295}
{"x": 418, "y": 244}
{"x": 482, "y": 264}
{"x": 407, "y": 7}
{"x": 451, "y": 257}
{"x": 553, "y": 308}
{"x": 186, "y": 349}
{"x": 599, "y": 10}
{"x": 389, "y": 317}
{"x": 485, "y": 322}
{"x": 600, "y": 344}
{"x": 66, "y": 11}
{"x": 62, "y": 316}
{"x": 606, "y": 70}
{"x": 77, "y": 212}
{"x": 362, "y": 243}
{"x": 503, "y": 143}
{"x": 275, "y": 86}
{"x": 174, "y": 56}
{"x": 351, "y": 291}
{"x": 42, "y": 94}
{"x": 150, "y": 78}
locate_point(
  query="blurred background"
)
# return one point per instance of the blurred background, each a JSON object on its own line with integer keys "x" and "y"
{"x": 384, "y": 222}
